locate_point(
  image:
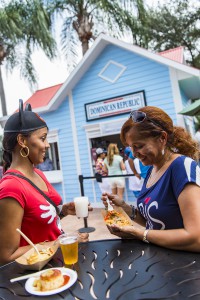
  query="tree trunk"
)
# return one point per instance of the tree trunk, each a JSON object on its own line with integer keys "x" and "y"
{"x": 85, "y": 46}
{"x": 2, "y": 95}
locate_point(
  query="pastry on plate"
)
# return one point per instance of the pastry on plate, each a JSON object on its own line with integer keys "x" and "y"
{"x": 49, "y": 280}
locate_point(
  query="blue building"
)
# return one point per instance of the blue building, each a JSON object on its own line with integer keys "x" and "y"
{"x": 89, "y": 108}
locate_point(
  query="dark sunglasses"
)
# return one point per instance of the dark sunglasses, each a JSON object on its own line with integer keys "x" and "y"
{"x": 140, "y": 116}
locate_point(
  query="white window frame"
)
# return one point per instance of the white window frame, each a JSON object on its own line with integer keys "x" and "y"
{"x": 54, "y": 176}
{"x": 112, "y": 62}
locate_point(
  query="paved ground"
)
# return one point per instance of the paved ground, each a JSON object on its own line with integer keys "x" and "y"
{"x": 95, "y": 220}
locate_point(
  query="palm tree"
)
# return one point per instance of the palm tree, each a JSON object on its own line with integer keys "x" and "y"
{"x": 139, "y": 26}
{"x": 83, "y": 20}
{"x": 2, "y": 93}
{"x": 25, "y": 26}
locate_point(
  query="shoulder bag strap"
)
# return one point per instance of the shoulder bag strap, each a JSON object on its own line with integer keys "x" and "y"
{"x": 37, "y": 188}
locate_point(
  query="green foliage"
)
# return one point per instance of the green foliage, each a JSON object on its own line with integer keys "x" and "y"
{"x": 25, "y": 26}
{"x": 176, "y": 23}
{"x": 139, "y": 24}
{"x": 84, "y": 20}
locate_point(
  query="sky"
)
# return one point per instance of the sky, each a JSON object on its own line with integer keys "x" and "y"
{"x": 49, "y": 73}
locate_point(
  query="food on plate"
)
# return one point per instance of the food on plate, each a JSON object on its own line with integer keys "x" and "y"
{"x": 44, "y": 254}
{"x": 114, "y": 217}
{"x": 50, "y": 280}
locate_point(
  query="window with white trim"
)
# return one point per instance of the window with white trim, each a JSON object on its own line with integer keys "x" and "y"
{"x": 52, "y": 161}
{"x": 53, "y": 153}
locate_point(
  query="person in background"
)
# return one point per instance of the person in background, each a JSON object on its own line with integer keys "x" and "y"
{"x": 21, "y": 204}
{"x": 104, "y": 183}
{"x": 135, "y": 183}
{"x": 114, "y": 165}
{"x": 139, "y": 170}
{"x": 168, "y": 206}
{"x": 46, "y": 165}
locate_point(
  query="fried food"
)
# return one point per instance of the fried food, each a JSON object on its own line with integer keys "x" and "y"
{"x": 49, "y": 280}
{"x": 44, "y": 254}
{"x": 114, "y": 217}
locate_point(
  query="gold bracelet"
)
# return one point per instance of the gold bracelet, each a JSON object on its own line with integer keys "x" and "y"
{"x": 145, "y": 236}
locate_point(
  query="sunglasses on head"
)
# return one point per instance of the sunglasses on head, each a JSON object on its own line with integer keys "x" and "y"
{"x": 139, "y": 116}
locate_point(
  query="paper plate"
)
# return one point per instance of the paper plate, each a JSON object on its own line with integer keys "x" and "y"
{"x": 22, "y": 260}
{"x": 65, "y": 271}
{"x": 119, "y": 210}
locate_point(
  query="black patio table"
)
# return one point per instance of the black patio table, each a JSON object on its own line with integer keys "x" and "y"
{"x": 119, "y": 270}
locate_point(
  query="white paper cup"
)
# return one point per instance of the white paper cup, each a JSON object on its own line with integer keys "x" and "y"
{"x": 81, "y": 206}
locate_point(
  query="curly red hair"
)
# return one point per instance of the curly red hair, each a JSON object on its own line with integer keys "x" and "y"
{"x": 179, "y": 140}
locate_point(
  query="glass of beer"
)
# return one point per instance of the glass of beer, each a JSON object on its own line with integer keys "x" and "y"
{"x": 69, "y": 247}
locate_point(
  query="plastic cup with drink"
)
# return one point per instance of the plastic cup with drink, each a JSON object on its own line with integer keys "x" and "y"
{"x": 69, "y": 247}
{"x": 81, "y": 206}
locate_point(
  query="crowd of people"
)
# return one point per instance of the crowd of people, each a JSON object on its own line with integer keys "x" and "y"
{"x": 112, "y": 163}
{"x": 163, "y": 157}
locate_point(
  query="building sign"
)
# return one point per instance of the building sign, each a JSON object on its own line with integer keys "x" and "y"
{"x": 110, "y": 128}
{"x": 114, "y": 106}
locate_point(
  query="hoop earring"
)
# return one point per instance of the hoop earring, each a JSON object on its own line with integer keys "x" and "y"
{"x": 163, "y": 151}
{"x": 22, "y": 149}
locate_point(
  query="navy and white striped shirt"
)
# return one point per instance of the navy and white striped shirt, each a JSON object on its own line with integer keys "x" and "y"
{"x": 159, "y": 203}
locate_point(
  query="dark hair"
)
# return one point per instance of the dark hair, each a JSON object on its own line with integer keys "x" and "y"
{"x": 9, "y": 143}
{"x": 98, "y": 155}
{"x": 179, "y": 140}
{"x": 25, "y": 122}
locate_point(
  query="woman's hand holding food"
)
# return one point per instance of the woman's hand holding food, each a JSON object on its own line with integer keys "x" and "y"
{"x": 117, "y": 232}
{"x": 114, "y": 199}
{"x": 129, "y": 231}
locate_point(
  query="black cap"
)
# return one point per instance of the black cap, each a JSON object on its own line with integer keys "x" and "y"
{"x": 24, "y": 120}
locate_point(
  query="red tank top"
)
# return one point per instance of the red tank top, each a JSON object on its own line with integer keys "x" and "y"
{"x": 40, "y": 221}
